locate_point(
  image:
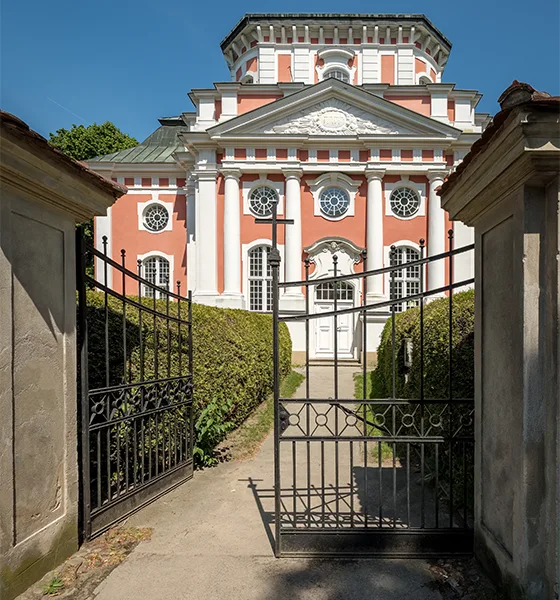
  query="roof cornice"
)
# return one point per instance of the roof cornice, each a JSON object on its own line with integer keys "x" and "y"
{"x": 338, "y": 17}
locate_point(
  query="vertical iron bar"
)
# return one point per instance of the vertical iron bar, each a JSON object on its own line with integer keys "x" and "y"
{"x": 275, "y": 265}
{"x": 364, "y": 328}
{"x": 126, "y": 369}
{"x": 156, "y": 336}
{"x": 422, "y": 415}
{"x": 179, "y": 340}
{"x": 451, "y": 411}
{"x": 307, "y": 389}
{"x": 125, "y": 362}
{"x": 393, "y": 254}
{"x": 307, "y": 290}
{"x": 437, "y": 484}
{"x": 191, "y": 376}
{"x": 141, "y": 333}
{"x": 83, "y": 409}
{"x": 106, "y": 306}
{"x": 336, "y": 455}
{"x": 168, "y": 323}
{"x": 351, "y": 484}
{"x": 380, "y": 464}
{"x": 408, "y": 484}
{"x": 294, "y": 478}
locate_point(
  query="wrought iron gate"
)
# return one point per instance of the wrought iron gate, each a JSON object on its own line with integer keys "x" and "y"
{"x": 387, "y": 476}
{"x": 136, "y": 389}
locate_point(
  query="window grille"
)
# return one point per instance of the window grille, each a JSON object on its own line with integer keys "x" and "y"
{"x": 156, "y": 271}
{"x": 405, "y": 282}
{"x": 260, "y": 279}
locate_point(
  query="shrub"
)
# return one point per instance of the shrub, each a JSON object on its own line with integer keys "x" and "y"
{"x": 232, "y": 358}
{"x": 436, "y": 384}
{"x": 436, "y": 351}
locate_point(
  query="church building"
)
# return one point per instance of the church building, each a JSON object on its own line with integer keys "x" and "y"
{"x": 344, "y": 121}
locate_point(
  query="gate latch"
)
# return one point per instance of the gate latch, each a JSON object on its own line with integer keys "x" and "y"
{"x": 284, "y": 419}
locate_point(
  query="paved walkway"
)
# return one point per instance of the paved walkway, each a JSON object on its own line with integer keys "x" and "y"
{"x": 212, "y": 541}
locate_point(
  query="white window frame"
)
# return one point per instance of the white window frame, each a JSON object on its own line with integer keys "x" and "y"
{"x": 334, "y": 179}
{"x": 335, "y": 58}
{"x": 245, "y": 249}
{"x": 170, "y": 260}
{"x": 248, "y": 186}
{"x": 142, "y": 206}
{"x": 387, "y": 256}
{"x": 419, "y": 188}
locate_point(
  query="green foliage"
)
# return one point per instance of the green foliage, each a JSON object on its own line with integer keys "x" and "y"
{"x": 83, "y": 143}
{"x": 232, "y": 358}
{"x": 436, "y": 352}
{"x": 407, "y": 382}
{"x": 53, "y": 587}
{"x": 247, "y": 438}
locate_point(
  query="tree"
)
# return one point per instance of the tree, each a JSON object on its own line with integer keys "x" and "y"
{"x": 83, "y": 143}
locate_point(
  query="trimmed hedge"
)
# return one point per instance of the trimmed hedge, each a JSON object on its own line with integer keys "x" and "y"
{"x": 232, "y": 358}
{"x": 436, "y": 351}
{"x": 436, "y": 386}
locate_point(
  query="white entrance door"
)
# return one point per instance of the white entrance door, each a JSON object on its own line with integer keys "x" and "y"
{"x": 324, "y": 328}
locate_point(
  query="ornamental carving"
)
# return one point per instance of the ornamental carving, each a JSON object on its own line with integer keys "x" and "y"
{"x": 334, "y": 116}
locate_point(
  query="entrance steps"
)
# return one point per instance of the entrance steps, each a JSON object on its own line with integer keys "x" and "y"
{"x": 329, "y": 362}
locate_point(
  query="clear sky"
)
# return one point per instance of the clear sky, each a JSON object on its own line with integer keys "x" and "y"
{"x": 68, "y": 61}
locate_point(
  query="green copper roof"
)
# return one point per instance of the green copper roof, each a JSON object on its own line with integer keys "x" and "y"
{"x": 158, "y": 147}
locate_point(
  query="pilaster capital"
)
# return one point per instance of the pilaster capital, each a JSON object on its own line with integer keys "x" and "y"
{"x": 209, "y": 175}
{"x": 231, "y": 174}
{"x": 292, "y": 173}
{"x": 375, "y": 174}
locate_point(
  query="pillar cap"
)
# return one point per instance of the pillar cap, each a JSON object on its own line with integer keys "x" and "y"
{"x": 375, "y": 174}
{"x": 236, "y": 173}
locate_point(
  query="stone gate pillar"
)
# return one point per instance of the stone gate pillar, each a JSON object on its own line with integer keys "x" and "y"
{"x": 508, "y": 189}
{"x": 42, "y": 195}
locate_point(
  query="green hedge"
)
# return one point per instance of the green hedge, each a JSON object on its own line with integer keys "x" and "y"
{"x": 232, "y": 358}
{"x": 436, "y": 386}
{"x": 436, "y": 351}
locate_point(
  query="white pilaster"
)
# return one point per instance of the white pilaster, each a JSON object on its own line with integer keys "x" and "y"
{"x": 232, "y": 241}
{"x": 374, "y": 233}
{"x": 293, "y": 298}
{"x": 206, "y": 290}
{"x": 436, "y": 233}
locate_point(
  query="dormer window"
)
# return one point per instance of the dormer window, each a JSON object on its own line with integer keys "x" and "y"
{"x": 337, "y": 74}
{"x": 336, "y": 63}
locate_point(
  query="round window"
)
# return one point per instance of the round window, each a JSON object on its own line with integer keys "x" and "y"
{"x": 262, "y": 200}
{"x": 404, "y": 202}
{"x": 156, "y": 217}
{"x": 334, "y": 202}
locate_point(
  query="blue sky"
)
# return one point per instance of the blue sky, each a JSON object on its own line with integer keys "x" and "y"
{"x": 67, "y": 61}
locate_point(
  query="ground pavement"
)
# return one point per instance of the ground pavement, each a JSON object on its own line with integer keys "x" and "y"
{"x": 212, "y": 540}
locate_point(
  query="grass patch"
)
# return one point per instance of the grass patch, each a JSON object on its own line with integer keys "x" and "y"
{"x": 386, "y": 449}
{"x": 248, "y": 437}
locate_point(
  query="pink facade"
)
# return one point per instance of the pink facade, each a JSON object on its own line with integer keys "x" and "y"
{"x": 343, "y": 122}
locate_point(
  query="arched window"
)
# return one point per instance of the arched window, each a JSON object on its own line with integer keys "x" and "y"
{"x": 156, "y": 271}
{"x": 325, "y": 291}
{"x": 337, "y": 74}
{"x": 260, "y": 279}
{"x": 405, "y": 282}
{"x": 424, "y": 80}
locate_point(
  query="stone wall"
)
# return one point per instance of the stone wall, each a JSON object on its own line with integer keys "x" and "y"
{"x": 508, "y": 189}
{"x": 42, "y": 194}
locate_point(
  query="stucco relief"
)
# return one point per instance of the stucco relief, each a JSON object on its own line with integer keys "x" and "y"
{"x": 334, "y": 116}
{"x": 321, "y": 254}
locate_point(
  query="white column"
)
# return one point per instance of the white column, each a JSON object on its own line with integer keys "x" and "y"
{"x": 206, "y": 291}
{"x": 374, "y": 233}
{"x": 232, "y": 241}
{"x": 436, "y": 233}
{"x": 191, "y": 233}
{"x": 293, "y": 297}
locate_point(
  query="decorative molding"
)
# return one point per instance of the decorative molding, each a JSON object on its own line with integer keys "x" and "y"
{"x": 334, "y": 179}
{"x": 334, "y": 116}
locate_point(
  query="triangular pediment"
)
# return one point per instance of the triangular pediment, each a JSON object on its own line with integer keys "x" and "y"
{"x": 332, "y": 109}
{"x": 335, "y": 117}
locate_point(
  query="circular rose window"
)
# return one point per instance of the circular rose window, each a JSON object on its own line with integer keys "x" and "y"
{"x": 404, "y": 202}
{"x": 156, "y": 217}
{"x": 262, "y": 200}
{"x": 334, "y": 202}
